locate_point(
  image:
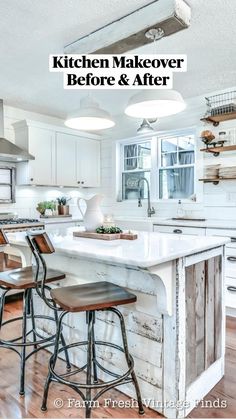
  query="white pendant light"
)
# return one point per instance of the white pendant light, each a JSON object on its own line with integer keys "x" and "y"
{"x": 155, "y": 104}
{"x": 90, "y": 117}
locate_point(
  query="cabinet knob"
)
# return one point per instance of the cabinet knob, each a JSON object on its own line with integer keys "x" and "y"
{"x": 82, "y": 183}
{"x": 31, "y": 179}
{"x": 78, "y": 182}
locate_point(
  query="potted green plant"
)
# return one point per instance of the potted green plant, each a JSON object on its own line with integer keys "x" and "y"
{"x": 46, "y": 208}
{"x": 63, "y": 208}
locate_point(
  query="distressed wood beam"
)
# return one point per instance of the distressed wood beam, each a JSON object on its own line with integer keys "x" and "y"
{"x": 128, "y": 33}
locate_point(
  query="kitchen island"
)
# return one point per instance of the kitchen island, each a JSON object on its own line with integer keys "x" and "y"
{"x": 176, "y": 329}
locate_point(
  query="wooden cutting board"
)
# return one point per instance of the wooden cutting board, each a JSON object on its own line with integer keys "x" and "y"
{"x": 99, "y": 236}
{"x": 93, "y": 235}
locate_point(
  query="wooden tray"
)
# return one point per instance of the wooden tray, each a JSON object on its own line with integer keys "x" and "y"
{"x": 93, "y": 235}
{"x": 128, "y": 236}
{"x": 99, "y": 236}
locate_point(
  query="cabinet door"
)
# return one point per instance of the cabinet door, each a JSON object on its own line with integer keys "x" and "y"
{"x": 66, "y": 159}
{"x": 41, "y": 171}
{"x": 88, "y": 162}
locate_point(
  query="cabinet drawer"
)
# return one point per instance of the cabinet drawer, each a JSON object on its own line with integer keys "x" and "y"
{"x": 230, "y": 292}
{"x": 230, "y": 262}
{"x": 221, "y": 232}
{"x": 54, "y": 226}
{"x": 179, "y": 230}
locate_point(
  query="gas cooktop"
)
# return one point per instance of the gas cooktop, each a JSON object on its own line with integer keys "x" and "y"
{"x": 19, "y": 221}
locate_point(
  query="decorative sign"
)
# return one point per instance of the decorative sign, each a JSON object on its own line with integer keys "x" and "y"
{"x": 117, "y": 71}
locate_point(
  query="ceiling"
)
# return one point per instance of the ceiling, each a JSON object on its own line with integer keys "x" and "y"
{"x": 30, "y": 30}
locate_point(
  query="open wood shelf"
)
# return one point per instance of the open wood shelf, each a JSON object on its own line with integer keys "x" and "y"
{"x": 216, "y": 180}
{"x": 217, "y": 150}
{"x": 216, "y": 119}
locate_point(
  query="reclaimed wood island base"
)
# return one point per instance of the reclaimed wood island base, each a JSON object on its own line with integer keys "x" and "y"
{"x": 176, "y": 329}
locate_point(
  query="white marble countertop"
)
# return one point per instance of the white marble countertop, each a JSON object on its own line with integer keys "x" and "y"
{"x": 221, "y": 224}
{"x": 148, "y": 250}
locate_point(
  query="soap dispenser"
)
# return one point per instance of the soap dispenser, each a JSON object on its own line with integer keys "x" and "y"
{"x": 180, "y": 210}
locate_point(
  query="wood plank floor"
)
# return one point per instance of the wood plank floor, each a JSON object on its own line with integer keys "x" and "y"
{"x": 14, "y": 406}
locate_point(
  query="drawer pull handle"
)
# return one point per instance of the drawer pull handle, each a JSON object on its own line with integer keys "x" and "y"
{"x": 233, "y": 239}
{"x": 231, "y": 258}
{"x": 177, "y": 231}
{"x": 231, "y": 288}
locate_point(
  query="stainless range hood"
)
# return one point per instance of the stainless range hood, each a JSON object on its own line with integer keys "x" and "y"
{"x": 9, "y": 152}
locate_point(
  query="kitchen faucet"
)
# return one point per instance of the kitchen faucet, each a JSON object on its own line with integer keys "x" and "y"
{"x": 150, "y": 210}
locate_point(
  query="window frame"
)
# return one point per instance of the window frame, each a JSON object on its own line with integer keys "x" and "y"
{"x": 177, "y": 166}
{"x": 155, "y": 163}
{"x": 140, "y": 141}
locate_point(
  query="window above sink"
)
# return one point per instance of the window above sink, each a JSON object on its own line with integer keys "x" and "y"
{"x": 176, "y": 167}
{"x": 136, "y": 165}
{"x": 166, "y": 161}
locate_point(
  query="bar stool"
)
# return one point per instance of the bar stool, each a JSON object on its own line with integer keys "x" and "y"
{"x": 24, "y": 279}
{"x": 89, "y": 298}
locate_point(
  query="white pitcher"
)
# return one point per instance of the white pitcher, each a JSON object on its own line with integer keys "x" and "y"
{"x": 93, "y": 216}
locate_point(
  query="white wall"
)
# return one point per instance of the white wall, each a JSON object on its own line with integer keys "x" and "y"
{"x": 216, "y": 201}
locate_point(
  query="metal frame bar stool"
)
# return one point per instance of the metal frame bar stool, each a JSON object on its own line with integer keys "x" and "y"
{"x": 89, "y": 298}
{"x": 24, "y": 279}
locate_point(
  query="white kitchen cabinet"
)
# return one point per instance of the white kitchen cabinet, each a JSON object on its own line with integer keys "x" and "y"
{"x": 230, "y": 266}
{"x": 230, "y": 276}
{"x": 223, "y": 232}
{"x": 230, "y": 262}
{"x": 77, "y": 161}
{"x": 88, "y": 162}
{"x": 230, "y": 294}
{"x": 66, "y": 161}
{"x": 62, "y": 158}
{"x": 40, "y": 143}
{"x": 196, "y": 231}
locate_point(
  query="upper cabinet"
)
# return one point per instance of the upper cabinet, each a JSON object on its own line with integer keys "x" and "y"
{"x": 66, "y": 161}
{"x": 61, "y": 157}
{"x": 88, "y": 171}
{"x": 40, "y": 143}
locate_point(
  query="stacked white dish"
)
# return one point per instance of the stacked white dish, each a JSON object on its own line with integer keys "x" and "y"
{"x": 212, "y": 171}
{"x": 227, "y": 172}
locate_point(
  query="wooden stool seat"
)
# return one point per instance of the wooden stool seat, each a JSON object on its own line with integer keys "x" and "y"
{"x": 23, "y": 278}
{"x": 93, "y": 296}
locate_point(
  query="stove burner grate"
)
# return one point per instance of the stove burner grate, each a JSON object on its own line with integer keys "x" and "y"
{"x": 19, "y": 221}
